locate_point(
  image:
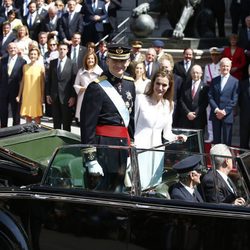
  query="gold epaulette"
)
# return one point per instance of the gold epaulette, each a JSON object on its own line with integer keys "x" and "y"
{"x": 100, "y": 78}
{"x": 129, "y": 78}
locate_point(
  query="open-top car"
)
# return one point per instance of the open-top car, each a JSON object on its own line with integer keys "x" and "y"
{"x": 25, "y": 152}
{"x": 67, "y": 211}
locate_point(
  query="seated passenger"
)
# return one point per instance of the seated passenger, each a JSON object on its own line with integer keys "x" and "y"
{"x": 216, "y": 184}
{"x": 189, "y": 171}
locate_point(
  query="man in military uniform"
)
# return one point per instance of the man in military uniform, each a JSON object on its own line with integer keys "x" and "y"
{"x": 107, "y": 118}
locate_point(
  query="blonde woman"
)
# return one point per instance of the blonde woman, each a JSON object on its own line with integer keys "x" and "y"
{"x": 89, "y": 72}
{"x": 141, "y": 81}
{"x": 31, "y": 90}
{"x": 23, "y": 40}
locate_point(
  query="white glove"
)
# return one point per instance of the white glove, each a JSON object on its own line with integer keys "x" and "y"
{"x": 94, "y": 168}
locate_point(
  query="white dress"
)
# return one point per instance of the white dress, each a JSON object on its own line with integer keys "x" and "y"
{"x": 150, "y": 121}
{"x": 83, "y": 79}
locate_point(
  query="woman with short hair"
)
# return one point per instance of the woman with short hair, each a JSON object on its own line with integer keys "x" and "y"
{"x": 31, "y": 91}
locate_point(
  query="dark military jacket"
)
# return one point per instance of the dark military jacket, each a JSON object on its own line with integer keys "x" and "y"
{"x": 98, "y": 109}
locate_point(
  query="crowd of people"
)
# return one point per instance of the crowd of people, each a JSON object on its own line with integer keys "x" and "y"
{"x": 117, "y": 94}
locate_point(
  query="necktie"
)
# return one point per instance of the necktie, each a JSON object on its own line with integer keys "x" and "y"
{"x": 70, "y": 17}
{"x": 30, "y": 21}
{"x": 193, "y": 90}
{"x": 195, "y": 196}
{"x": 186, "y": 66}
{"x": 42, "y": 50}
{"x": 248, "y": 34}
{"x": 74, "y": 55}
{"x": 51, "y": 23}
{"x": 148, "y": 71}
{"x": 102, "y": 60}
{"x": 231, "y": 184}
{"x": 59, "y": 69}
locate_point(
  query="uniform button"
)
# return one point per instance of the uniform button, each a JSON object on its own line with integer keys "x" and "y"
{"x": 121, "y": 140}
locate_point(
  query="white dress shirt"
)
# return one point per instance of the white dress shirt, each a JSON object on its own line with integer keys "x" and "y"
{"x": 223, "y": 81}
{"x": 62, "y": 61}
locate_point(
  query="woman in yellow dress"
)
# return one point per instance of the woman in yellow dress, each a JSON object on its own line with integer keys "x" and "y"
{"x": 31, "y": 91}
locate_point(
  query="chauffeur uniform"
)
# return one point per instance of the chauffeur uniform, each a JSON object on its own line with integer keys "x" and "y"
{"x": 180, "y": 191}
{"x": 102, "y": 123}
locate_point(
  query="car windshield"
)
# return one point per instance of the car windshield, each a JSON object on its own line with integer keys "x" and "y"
{"x": 142, "y": 172}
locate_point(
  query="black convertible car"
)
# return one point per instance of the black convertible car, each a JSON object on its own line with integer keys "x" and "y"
{"x": 65, "y": 211}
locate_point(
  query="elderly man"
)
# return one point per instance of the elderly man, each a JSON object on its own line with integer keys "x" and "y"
{"x": 189, "y": 171}
{"x": 194, "y": 101}
{"x": 50, "y": 23}
{"x": 151, "y": 65}
{"x": 223, "y": 97}
{"x": 107, "y": 118}
{"x": 10, "y": 78}
{"x": 216, "y": 184}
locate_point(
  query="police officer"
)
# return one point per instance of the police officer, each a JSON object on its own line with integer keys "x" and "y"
{"x": 189, "y": 171}
{"x": 107, "y": 118}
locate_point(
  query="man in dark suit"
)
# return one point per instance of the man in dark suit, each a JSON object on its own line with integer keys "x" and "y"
{"x": 110, "y": 23}
{"x": 5, "y": 8}
{"x": 42, "y": 42}
{"x": 183, "y": 67}
{"x": 50, "y": 23}
{"x": 244, "y": 104}
{"x": 70, "y": 23}
{"x": 102, "y": 55}
{"x": 10, "y": 78}
{"x": 216, "y": 184}
{"x": 223, "y": 97}
{"x": 76, "y": 52}
{"x": 194, "y": 101}
{"x": 94, "y": 13}
{"x": 6, "y": 37}
{"x": 104, "y": 121}
{"x": 60, "y": 93}
{"x": 178, "y": 82}
{"x": 151, "y": 65}
{"x": 33, "y": 21}
{"x": 41, "y": 8}
{"x": 189, "y": 171}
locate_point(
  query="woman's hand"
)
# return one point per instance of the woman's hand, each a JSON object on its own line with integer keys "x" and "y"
{"x": 182, "y": 138}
